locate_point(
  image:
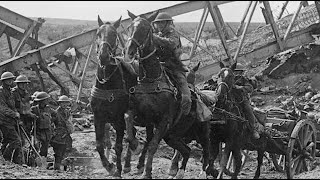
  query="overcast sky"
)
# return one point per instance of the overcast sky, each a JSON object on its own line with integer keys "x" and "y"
{"x": 112, "y": 10}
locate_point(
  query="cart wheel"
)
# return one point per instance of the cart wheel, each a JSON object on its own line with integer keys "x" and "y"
{"x": 301, "y": 149}
{"x": 278, "y": 162}
{"x": 231, "y": 163}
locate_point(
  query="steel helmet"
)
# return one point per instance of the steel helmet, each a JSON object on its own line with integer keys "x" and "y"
{"x": 22, "y": 79}
{"x": 35, "y": 94}
{"x": 163, "y": 16}
{"x": 41, "y": 96}
{"x": 63, "y": 98}
{"x": 7, "y": 75}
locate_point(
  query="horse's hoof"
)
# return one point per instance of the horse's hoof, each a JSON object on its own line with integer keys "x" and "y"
{"x": 180, "y": 174}
{"x": 140, "y": 171}
{"x": 138, "y": 149}
{"x": 170, "y": 177}
{"x": 117, "y": 175}
{"x": 126, "y": 169}
{"x": 111, "y": 169}
{"x": 202, "y": 175}
{"x": 172, "y": 172}
{"x": 210, "y": 177}
{"x": 145, "y": 176}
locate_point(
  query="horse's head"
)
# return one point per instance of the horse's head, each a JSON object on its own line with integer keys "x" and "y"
{"x": 191, "y": 75}
{"x": 226, "y": 75}
{"x": 140, "y": 40}
{"x": 106, "y": 41}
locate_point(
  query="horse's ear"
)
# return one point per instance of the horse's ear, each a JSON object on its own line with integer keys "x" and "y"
{"x": 233, "y": 66}
{"x": 100, "y": 23}
{"x": 116, "y": 24}
{"x": 132, "y": 16}
{"x": 221, "y": 65}
{"x": 195, "y": 69}
{"x": 152, "y": 16}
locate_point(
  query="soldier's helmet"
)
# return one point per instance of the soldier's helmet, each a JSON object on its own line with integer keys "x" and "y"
{"x": 163, "y": 16}
{"x": 22, "y": 79}
{"x": 41, "y": 96}
{"x": 7, "y": 75}
{"x": 35, "y": 94}
{"x": 63, "y": 98}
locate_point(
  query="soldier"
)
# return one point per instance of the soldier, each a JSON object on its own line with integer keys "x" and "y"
{"x": 9, "y": 117}
{"x": 247, "y": 86}
{"x": 22, "y": 102}
{"x": 62, "y": 131}
{"x": 169, "y": 50}
{"x": 43, "y": 124}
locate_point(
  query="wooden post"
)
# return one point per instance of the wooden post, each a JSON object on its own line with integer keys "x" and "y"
{"x": 291, "y": 23}
{"x": 223, "y": 25}
{"x": 265, "y": 15}
{"x": 199, "y": 30}
{"x": 244, "y": 32}
{"x": 84, "y": 74}
{"x": 35, "y": 67}
{"x": 273, "y": 24}
{"x": 317, "y": 3}
{"x": 9, "y": 44}
{"x": 26, "y": 35}
{"x": 2, "y": 29}
{"x": 282, "y": 10}
{"x": 218, "y": 28}
{"x": 240, "y": 28}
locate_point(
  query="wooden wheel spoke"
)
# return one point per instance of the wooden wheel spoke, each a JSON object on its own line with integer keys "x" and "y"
{"x": 300, "y": 146}
{"x": 295, "y": 163}
{"x": 306, "y": 132}
{"x": 305, "y": 165}
{"x": 308, "y": 137}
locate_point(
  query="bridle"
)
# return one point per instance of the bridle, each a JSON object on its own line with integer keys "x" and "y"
{"x": 140, "y": 48}
{"x": 111, "y": 55}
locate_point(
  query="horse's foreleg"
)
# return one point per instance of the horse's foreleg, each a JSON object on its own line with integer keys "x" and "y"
{"x": 100, "y": 135}
{"x": 237, "y": 160}
{"x": 119, "y": 148}
{"x": 204, "y": 141}
{"x": 107, "y": 140}
{"x": 174, "y": 163}
{"x": 259, "y": 158}
{"x": 153, "y": 146}
{"x": 214, "y": 149}
{"x": 142, "y": 157}
{"x": 224, "y": 159}
{"x": 133, "y": 141}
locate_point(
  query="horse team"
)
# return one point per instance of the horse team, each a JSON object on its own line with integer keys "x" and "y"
{"x": 135, "y": 89}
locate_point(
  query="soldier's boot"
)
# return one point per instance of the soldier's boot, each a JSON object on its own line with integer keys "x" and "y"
{"x": 57, "y": 163}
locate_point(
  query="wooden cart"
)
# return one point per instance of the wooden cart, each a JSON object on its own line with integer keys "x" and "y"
{"x": 300, "y": 146}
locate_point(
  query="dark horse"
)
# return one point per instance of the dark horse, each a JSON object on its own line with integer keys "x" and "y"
{"x": 155, "y": 98}
{"x": 233, "y": 131}
{"x": 110, "y": 93}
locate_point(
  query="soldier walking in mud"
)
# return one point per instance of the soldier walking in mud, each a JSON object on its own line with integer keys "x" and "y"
{"x": 62, "y": 131}
{"x": 9, "y": 120}
{"x": 43, "y": 124}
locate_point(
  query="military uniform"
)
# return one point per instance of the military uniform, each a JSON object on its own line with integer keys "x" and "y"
{"x": 248, "y": 85}
{"x": 169, "y": 50}
{"x": 61, "y": 134}
{"x": 8, "y": 126}
{"x": 43, "y": 126}
{"x": 22, "y": 103}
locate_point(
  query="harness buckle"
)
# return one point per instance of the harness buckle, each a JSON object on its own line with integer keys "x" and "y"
{"x": 111, "y": 98}
{"x": 158, "y": 88}
{"x": 132, "y": 90}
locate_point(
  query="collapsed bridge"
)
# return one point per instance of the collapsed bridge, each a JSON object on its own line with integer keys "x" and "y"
{"x": 278, "y": 35}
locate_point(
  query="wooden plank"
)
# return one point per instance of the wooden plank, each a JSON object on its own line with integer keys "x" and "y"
{"x": 84, "y": 73}
{"x": 199, "y": 30}
{"x": 223, "y": 25}
{"x": 295, "y": 39}
{"x": 22, "y": 41}
{"x": 278, "y": 120}
{"x": 2, "y": 28}
{"x": 15, "y": 18}
{"x": 291, "y": 23}
{"x": 240, "y": 28}
{"x": 317, "y": 3}
{"x": 50, "y": 50}
{"x": 282, "y": 10}
{"x": 9, "y": 44}
{"x": 75, "y": 78}
{"x": 181, "y": 8}
{"x": 273, "y": 24}
{"x": 218, "y": 27}
{"x": 244, "y": 32}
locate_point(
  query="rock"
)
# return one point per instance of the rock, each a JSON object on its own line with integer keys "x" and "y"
{"x": 308, "y": 95}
